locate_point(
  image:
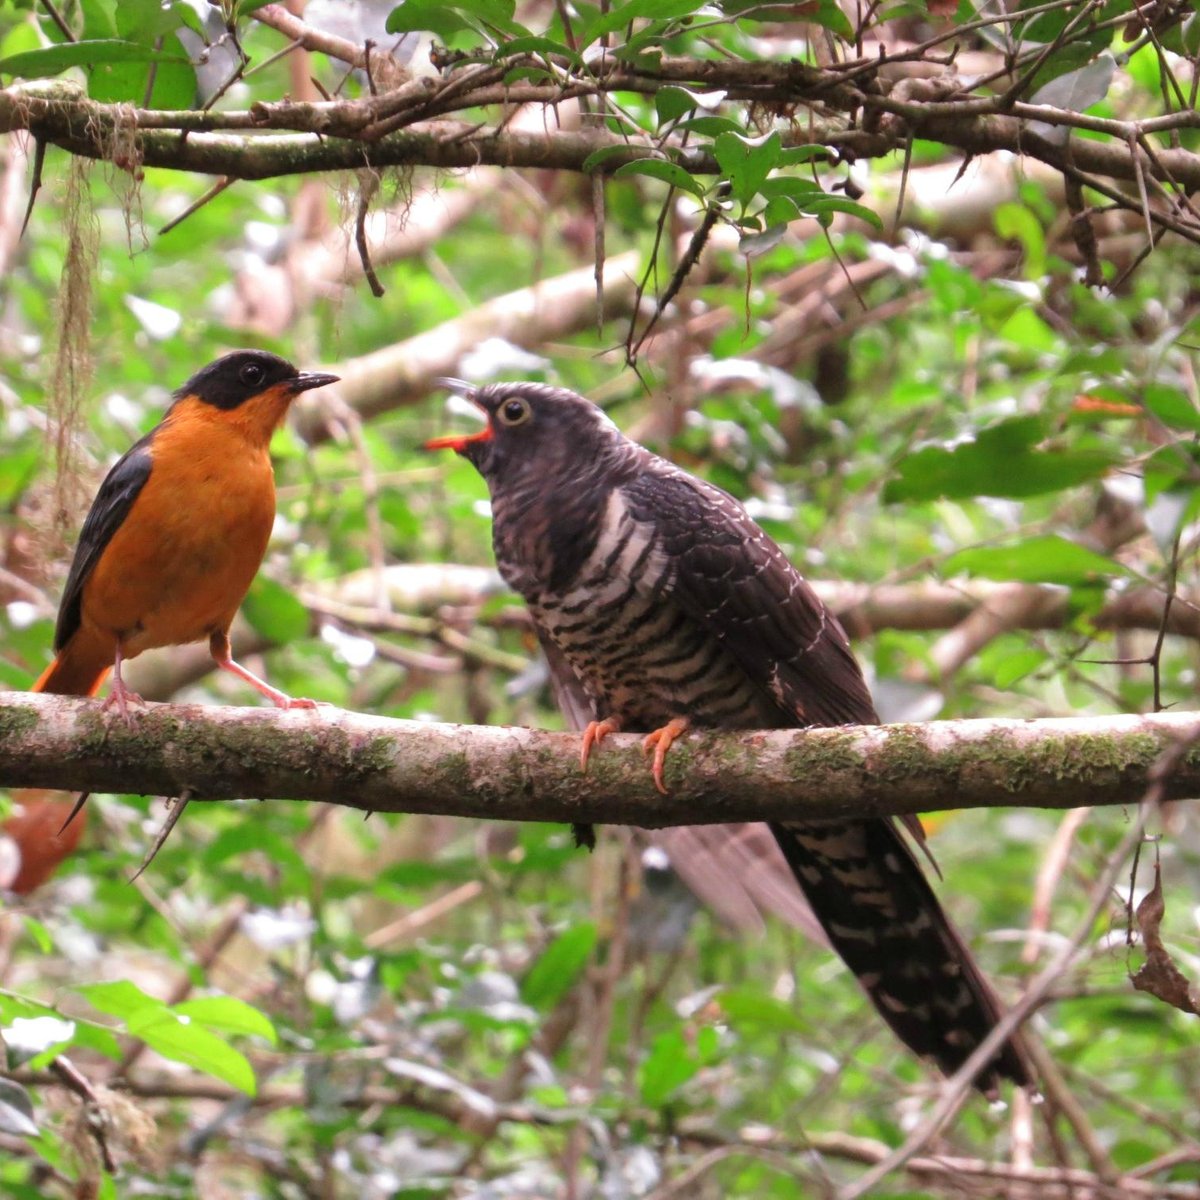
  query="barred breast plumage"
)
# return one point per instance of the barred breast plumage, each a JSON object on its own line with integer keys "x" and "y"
{"x": 663, "y": 601}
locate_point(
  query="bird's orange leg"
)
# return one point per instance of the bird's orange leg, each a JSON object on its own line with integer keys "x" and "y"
{"x": 594, "y": 733}
{"x": 660, "y": 742}
{"x": 118, "y": 694}
{"x": 218, "y": 646}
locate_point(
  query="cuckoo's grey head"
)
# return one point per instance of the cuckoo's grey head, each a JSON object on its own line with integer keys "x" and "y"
{"x": 533, "y": 431}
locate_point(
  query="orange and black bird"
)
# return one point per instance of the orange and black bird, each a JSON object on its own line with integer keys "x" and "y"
{"x": 178, "y": 530}
{"x": 662, "y": 606}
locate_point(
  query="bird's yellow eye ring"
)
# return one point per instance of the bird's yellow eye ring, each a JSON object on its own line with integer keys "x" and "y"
{"x": 514, "y": 411}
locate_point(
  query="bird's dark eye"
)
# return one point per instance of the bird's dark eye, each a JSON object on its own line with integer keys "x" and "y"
{"x": 515, "y": 411}
{"x": 251, "y": 373}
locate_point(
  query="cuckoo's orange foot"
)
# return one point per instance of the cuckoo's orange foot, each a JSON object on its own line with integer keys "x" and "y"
{"x": 660, "y": 742}
{"x": 593, "y": 734}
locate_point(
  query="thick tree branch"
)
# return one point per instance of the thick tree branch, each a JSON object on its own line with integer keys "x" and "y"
{"x": 399, "y": 128}
{"x": 380, "y": 764}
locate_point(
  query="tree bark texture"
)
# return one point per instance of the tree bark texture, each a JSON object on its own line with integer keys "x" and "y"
{"x": 382, "y": 764}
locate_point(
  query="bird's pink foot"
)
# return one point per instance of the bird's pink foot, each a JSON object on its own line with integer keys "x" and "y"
{"x": 120, "y": 698}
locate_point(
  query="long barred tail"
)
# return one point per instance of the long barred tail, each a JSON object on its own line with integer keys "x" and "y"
{"x": 874, "y": 902}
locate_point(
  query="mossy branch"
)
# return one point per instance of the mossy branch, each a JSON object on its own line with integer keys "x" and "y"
{"x": 381, "y": 764}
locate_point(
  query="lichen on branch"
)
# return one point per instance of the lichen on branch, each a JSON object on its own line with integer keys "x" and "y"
{"x": 382, "y": 764}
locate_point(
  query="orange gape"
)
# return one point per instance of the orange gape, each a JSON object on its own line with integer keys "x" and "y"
{"x": 169, "y": 549}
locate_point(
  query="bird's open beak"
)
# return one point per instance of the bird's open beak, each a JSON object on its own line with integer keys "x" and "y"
{"x": 307, "y": 380}
{"x": 458, "y": 441}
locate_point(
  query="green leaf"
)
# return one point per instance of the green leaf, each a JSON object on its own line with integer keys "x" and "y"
{"x": 1048, "y": 559}
{"x": 183, "y": 1040}
{"x": 826, "y": 205}
{"x": 651, "y": 10}
{"x": 1015, "y": 666}
{"x": 660, "y": 168}
{"x": 1172, "y": 407}
{"x": 825, "y": 13}
{"x": 537, "y": 45}
{"x": 275, "y": 612}
{"x": 174, "y": 84}
{"x": 446, "y": 20}
{"x": 246, "y": 7}
{"x": 669, "y": 1065}
{"x": 1027, "y": 330}
{"x": 755, "y": 1009}
{"x": 18, "y": 467}
{"x": 20, "y": 39}
{"x": 1000, "y": 461}
{"x": 801, "y": 190}
{"x": 99, "y": 19}
{"x": 38, "y": 933}
{"x": 746, "y": 163}
{"x": 229, "y": 1015}
{"x": 797, "y": 156}
{"x": 37, "y": 64}
{"x": 710, "y": 126}
{"x": 597, "y": 157}
{"x": 437, "y": 18}
{"x": 145, "y": 21}
{"x": 1175, "y": 467}
{"x": 559, "y": 966}
{"x": 1016, "y": 221}
{"x": 119, "y": 998}
{"x": 672, "y": 102}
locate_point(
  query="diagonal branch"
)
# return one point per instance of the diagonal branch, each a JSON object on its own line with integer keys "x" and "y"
{"x": 382, "y": 764}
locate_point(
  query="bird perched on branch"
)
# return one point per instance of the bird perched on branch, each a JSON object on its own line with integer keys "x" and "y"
{"x": 174, "y": 539}
{"x": 178, "y": 530}
{"x": 672, "y": 609}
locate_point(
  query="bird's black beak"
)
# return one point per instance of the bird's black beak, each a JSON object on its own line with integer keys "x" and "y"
{"x": 459, "y": 441}
{"x": 307, "y": 380}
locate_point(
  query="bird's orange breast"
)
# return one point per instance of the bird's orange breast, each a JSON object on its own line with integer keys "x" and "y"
{"x": 183, "y": 559}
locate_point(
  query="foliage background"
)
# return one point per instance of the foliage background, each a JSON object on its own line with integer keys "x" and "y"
{"x": 445, "y": 1009}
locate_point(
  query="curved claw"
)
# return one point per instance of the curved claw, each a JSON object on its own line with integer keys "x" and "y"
{"x": 594, "y": 733}
{"x": 660, "y": 742}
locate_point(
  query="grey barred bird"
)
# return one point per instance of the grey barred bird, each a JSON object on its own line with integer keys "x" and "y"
{"x": 670, "y": 608}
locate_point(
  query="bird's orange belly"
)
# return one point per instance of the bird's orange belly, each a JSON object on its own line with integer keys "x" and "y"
{"x": 180, "y": 565}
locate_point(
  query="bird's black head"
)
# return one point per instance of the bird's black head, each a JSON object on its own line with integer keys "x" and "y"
{"x": 235, "y": 378}
{"x": 533, "y": 430}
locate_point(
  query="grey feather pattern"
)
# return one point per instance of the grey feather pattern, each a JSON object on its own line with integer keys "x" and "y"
{"x": 663, "y": 599}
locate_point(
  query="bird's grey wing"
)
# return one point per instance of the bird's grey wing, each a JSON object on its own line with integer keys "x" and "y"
{"x": 728, "y": 575}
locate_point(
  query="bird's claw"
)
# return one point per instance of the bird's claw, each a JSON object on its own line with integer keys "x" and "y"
{"x": 660, "y": 742}
{"x": 594, "y": 733}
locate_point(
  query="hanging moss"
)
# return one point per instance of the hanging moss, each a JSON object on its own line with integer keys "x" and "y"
{"x": 72, "y": 369}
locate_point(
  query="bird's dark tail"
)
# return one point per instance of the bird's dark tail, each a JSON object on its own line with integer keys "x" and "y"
{"x": 881, "y": 915}
{"x": 79, "y": 669}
